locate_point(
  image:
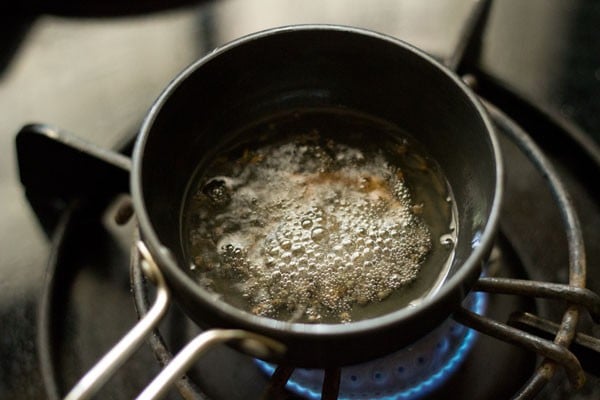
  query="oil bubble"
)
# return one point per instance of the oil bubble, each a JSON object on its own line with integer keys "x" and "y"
{"x": 318, "y": 234}
{"x": 306, "y": 223}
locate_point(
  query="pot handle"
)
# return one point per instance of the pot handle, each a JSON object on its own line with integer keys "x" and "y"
{"x": 252, "y": 343}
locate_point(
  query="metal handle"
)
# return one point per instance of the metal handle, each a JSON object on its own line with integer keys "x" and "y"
{"x": 89, "y": 384}
{"x": 256, "y": 345}
{"x": 253, "y": 344}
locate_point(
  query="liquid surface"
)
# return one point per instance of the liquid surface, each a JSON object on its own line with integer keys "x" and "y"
{"x": 315, "y": 220}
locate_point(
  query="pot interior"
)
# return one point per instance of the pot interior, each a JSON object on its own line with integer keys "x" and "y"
{"x": 320, "y": 67}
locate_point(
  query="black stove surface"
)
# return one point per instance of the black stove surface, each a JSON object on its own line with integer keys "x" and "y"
{"x": 97, "y": 77}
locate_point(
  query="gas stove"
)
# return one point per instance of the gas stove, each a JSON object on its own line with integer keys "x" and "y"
{"x": 71, "y": 287}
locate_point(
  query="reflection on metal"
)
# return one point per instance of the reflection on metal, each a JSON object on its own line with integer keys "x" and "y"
{"x": 186, "y": 388}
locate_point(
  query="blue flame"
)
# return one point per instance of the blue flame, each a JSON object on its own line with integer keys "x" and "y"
{"x": 425, "y": 386}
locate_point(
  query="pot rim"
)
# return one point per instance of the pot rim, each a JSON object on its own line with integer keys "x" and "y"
{"x": 166, "y": 260}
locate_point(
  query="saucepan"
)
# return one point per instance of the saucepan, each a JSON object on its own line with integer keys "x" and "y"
{"x": 308, "y": 66}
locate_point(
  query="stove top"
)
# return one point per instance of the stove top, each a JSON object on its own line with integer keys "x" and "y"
{"x": 64, "y": 275}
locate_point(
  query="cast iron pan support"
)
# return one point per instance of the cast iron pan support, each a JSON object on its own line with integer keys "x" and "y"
{"x": 574, "y": 293}
{"x": 77, "y": 168}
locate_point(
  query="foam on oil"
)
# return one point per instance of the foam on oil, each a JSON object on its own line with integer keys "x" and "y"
{"x": 320, "y": 215}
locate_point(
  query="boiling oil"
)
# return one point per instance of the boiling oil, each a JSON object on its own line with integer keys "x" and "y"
{"x": 320, "y": 215}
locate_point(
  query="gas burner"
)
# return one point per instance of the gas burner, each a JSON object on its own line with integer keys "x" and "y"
{"x": 410, "y": 373}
